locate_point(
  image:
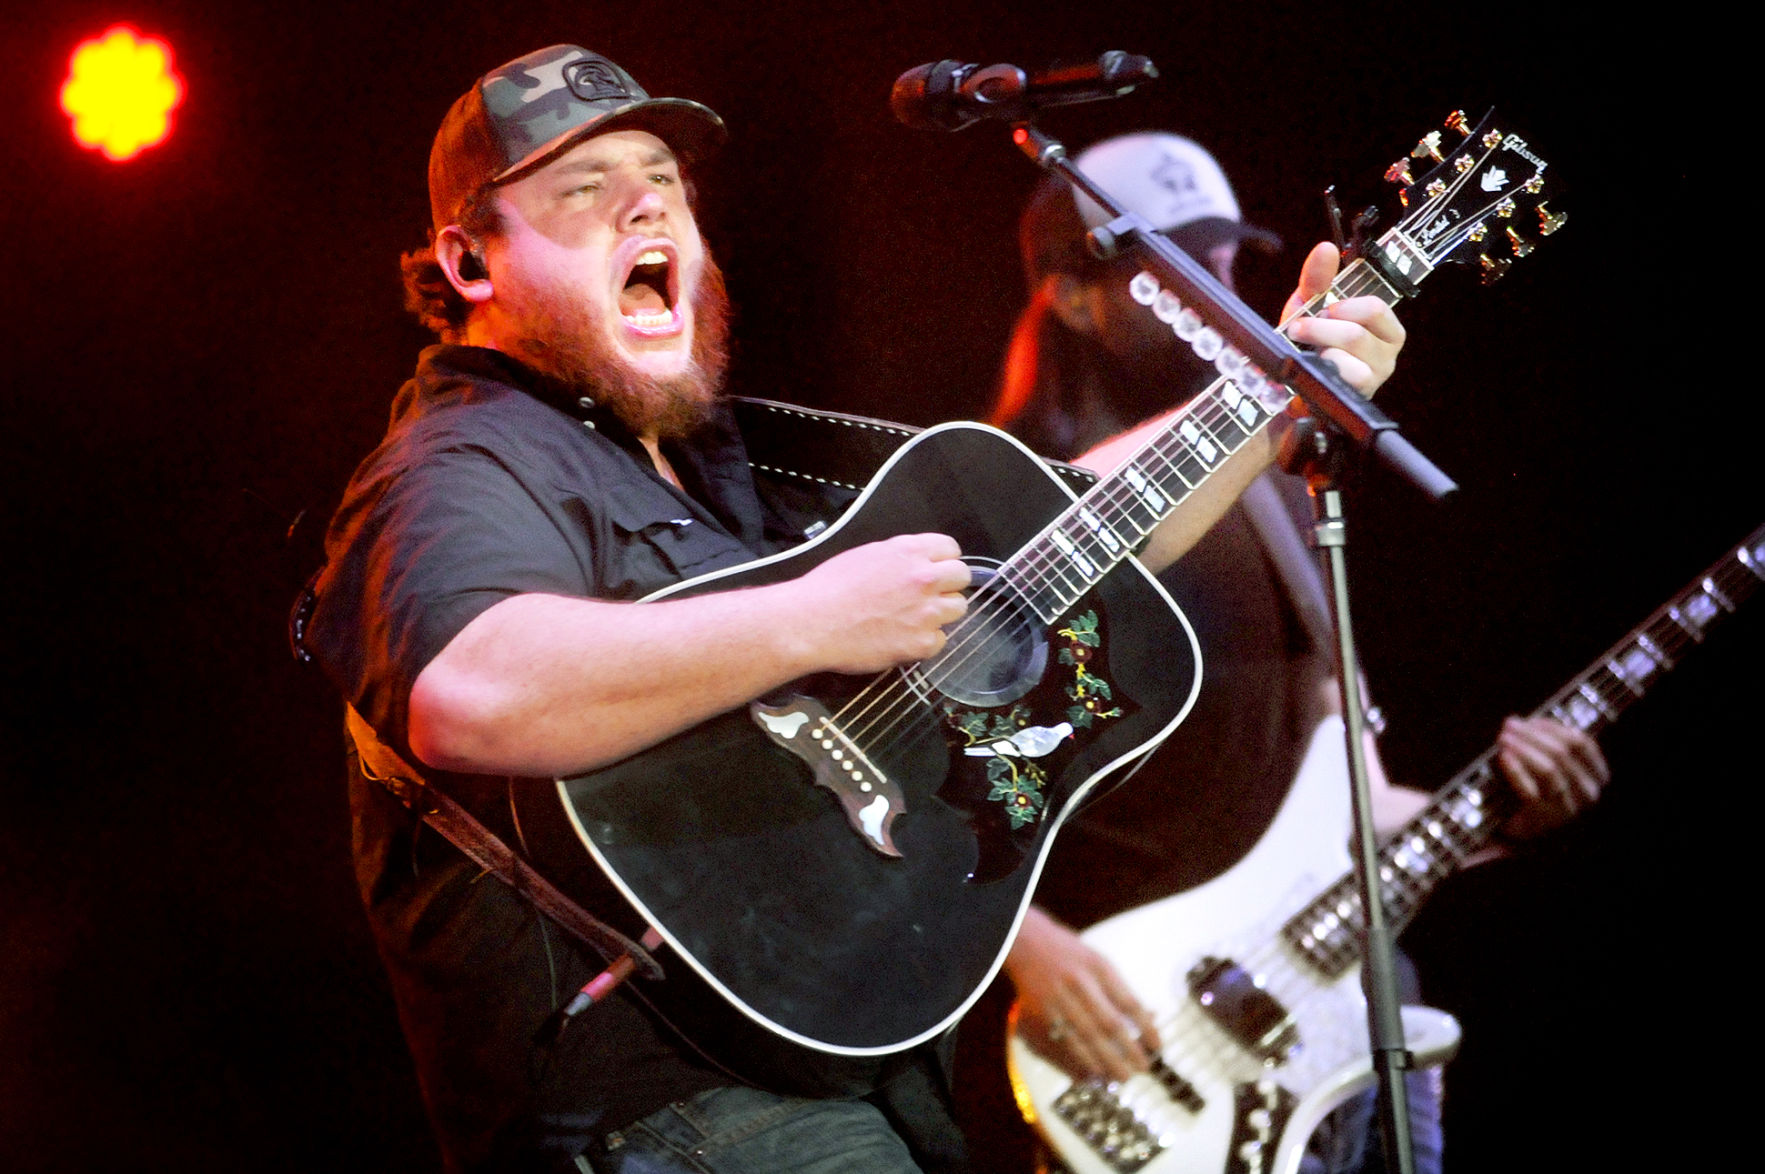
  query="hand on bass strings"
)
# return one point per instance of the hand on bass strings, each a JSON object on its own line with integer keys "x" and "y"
{"x": 1073, "y": 1007}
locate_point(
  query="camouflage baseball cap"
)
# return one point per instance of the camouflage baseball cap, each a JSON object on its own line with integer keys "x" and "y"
{"x": 521, "y": 114}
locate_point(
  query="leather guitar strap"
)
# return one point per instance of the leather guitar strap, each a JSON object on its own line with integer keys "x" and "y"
{"x": 440, "y": 811}
{"x": 836, "y": 448}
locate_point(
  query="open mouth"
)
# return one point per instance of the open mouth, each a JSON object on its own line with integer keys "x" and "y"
{"x": 647, "y": 300}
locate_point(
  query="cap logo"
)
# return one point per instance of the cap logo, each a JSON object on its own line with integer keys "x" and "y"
{"x": 594, "y": 79}
{"x": 1176, "y": 177}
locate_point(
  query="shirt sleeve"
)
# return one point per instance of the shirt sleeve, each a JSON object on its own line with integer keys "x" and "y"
{"x": 415, "y": 555}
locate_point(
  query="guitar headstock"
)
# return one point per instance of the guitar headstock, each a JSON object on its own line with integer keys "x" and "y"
{"x": 1483, "y": 201}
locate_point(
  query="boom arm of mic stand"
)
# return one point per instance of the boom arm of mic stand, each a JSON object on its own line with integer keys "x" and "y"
{"x": 1311, "y": 378}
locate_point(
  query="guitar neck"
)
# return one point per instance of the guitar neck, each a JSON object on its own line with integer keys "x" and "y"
{"x": 1081, "y": 546}
{"x": 1465, "y": 815}
{"x": 1457, "y": 212}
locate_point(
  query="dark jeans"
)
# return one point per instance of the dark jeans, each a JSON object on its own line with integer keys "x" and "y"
{"x": 1348, "y": 1141}
{"x": 747, "y": 1131}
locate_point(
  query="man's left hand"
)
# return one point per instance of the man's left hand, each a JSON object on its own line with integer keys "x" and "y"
{"x": 1361, "y": 336}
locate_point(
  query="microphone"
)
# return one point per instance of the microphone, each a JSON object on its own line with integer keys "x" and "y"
{"x": 948, "y": 95}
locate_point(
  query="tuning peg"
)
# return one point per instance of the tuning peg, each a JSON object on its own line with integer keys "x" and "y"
{"x": 1457, "y": 121}
{"x": 1333, "y": 211}
{"x": 1549, "y": 222}
{"x": 1428, "y": 147}
{"x": 1505, "y": 209}
{"x": 1492, "y": 268}
{"x": 1353, "y": 243}
{"x": 1519, "y": 244}
{"x": 1399, "y": 172}
{"x": 1492, "y": 140}
{"x": 1358, "y": 230}
{"x": 1534, "y": 185}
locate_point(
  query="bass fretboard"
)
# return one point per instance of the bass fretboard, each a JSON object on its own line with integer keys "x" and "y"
{"x": 1464, "y": 817}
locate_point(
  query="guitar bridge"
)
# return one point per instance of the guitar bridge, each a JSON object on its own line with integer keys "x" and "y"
{"x": 870, "y": 800}
{"x": 1111, "y": 1128}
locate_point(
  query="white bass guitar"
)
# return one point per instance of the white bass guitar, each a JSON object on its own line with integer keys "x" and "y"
{"x": 1264, "y": 1026}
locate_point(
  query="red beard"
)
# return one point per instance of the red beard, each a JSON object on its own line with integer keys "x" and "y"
{"x": 565, "y": 341}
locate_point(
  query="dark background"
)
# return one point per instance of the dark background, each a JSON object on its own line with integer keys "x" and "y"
{"x": 203, "y": 341}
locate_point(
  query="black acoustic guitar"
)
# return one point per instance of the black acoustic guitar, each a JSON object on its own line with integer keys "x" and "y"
{"x": 846, "y": 863}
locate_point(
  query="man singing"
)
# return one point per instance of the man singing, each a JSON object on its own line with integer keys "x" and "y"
{"x": 560, "y": 456}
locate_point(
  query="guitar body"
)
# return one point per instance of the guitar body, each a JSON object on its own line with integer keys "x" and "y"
{"x": 808, "y": 916}
{"x": 845, "y": 864}
{"x": 1155, "y": 947}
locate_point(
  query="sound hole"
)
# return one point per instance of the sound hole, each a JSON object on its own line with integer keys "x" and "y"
{"x": 996, "y": 653}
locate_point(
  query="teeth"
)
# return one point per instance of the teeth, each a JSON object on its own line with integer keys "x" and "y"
{"x": 659, "y": 318}
{"x": 653, "y": 257}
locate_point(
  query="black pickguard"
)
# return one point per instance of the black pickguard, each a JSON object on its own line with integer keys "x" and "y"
{"x": 721, "y": 839}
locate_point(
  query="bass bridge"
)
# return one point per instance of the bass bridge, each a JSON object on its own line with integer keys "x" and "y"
{"x": 1101, "y": 1112}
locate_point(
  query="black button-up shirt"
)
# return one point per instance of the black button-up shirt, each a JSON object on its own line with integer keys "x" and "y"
{"x": 492, "y": 483}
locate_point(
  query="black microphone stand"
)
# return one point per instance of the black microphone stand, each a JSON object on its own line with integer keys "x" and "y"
{"x": 1314, "y": 450}
{"x": 1315, "y": 446}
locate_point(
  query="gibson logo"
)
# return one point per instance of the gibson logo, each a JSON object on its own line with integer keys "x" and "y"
{"x": 1517, "y": 145}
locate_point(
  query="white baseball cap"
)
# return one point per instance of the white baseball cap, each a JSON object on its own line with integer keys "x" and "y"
{"x": 1171, "y": 181}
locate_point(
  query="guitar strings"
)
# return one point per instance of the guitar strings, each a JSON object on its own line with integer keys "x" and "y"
{"x": 1043, "y": 566}
{"x": 975, "y": 636}
{"x": 1188, "y": 1030}
{"x": 1298, "y": 980}
{"x": 1040, "y": 568}
{"x": 1189, "y": 1036}
{"x": 1168, "y": 448}
{"x": 1359, "y": 279}
{"x": 1193, "y": 1045}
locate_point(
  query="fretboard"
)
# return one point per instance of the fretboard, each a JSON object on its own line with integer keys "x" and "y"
{"x": 1111, "y": 520}
{"x": 1465, "y": 815}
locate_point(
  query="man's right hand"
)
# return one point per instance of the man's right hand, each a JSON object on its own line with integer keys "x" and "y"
{"x": 1073, "y": 1007}
{"x": 884, "y": 603}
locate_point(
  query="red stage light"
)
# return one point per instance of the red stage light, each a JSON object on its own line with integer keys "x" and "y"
{"x": 120, "y": 92}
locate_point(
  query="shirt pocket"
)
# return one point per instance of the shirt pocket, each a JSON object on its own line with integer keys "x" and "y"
{"x": 658, "y": 541}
